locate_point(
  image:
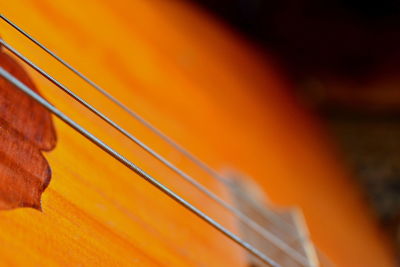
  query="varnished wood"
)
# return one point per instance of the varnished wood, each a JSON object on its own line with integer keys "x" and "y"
{"x": 202, "y": 85}
{"x": 26, "y": 130}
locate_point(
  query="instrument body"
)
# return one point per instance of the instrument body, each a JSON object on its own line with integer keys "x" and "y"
{"x": 207, "y": 89}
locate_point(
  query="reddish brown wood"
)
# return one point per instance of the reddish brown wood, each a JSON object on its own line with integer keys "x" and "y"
{"x": 26, "y": 129}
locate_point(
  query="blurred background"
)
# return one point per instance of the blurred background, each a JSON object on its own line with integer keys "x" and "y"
{"x": 343, "y": 56}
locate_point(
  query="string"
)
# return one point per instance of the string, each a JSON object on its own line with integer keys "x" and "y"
{"x": 246, "y": 220}
{"x": 278, "y": 221}
{"x": 155, "y": 130}
{"x": 147, "y": 124}
{"x": 135, "y": 168}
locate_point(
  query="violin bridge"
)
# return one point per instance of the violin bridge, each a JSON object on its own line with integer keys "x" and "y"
{"x": 285, "y": 237}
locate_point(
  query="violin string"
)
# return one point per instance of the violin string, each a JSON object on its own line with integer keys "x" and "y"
{"x": 13, "y": 80}
{"x": 240, "y": 215}
{"x": 147, "y": 124}
{"x": 276, "y": 219}
{"x": 167, "y": 139}
{"x": 202, "y": 165}
{"x": 152, "y": 128}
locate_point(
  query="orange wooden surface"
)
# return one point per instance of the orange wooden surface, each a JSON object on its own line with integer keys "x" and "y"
{"x": 203, "y": 86}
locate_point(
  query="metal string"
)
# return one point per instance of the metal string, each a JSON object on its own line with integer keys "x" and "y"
{"x": 147, "y": 124}
{"x": 135, "y": 168}
{"x": 246, "y": 220}
{"x": 155, "y": 130}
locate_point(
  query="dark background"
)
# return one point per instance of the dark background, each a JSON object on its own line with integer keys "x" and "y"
{"x": 344, "y": 58}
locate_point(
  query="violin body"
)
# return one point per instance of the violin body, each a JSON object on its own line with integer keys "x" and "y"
{"x": 206, "y": 88}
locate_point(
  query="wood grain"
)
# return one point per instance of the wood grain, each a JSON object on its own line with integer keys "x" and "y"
{"x": 26, "y": 130}
{"x": 204, "y": 86}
